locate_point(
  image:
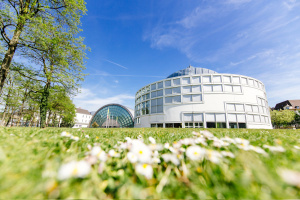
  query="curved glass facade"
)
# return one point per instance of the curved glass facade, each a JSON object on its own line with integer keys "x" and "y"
{"x": 112, "y": 116}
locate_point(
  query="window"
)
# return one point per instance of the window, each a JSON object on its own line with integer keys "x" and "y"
{"x": 188, "y": 125}
{"x": 244, "y": 81}
{"x": 186, "y": 80}
{"x": 207, "y": 88}
{"x": 168, "y": 83}
{"x": 176, "y": 81}
{"x": 198, "y": 125}
{"x": 159, "y": 93}
{"x": 153, "y": 86}
{"x": 236, "y": 79}
{"x": 168, "y": 99}
{"x": 196, "y": 88}
{"x": 177, "y": 99}
{"x": 187, "y": 98}
{"x": 251, "y": 82}
{"x": 153, "y": 94}
{"x": 217, "y": 79}
{"x": 210, "y": 125}
{"x": 226, "y": 79}
{"x": 217, "y": 88}
{"x": 160, "y": 85}
{"x": 237, "y": 88}
{"x": 206, "y": 79}
{"x": 176, "y": 90}
{"x": 168, "y": 91}
{"x": 186, "y": 89}
{"x": 157, "y": 105}
{"x": 196, "y": 79}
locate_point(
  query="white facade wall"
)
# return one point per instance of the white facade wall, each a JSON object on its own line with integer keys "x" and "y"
{"x": 82, "y": 120}
{"x": 197, "y": 99}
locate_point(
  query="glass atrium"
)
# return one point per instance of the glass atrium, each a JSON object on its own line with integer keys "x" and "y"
{"x": 112, "y": 116}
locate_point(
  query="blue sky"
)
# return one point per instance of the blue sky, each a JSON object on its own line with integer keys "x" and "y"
{"x": 134, "y": 43}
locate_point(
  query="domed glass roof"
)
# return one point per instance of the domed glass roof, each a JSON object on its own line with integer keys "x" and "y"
{"x": 112, "y": 116}
{"x": 191, "y": 71}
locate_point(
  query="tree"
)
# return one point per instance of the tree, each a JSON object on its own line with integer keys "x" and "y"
{"x": 95, "y": 125}
{"x": 284, "y": 117}
{"x": 20, "y": 20}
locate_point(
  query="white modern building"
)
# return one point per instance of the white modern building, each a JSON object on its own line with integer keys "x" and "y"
{"x": 82, "y": 119}
{"x": 202, "y": 98}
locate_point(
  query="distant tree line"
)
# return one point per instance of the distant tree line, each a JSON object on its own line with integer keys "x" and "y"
{"x": 42, "y": 60}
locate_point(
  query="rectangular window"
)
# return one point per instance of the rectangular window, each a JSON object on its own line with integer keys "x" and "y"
{"x": 230, "y": 107}
{"x": 217, "y": 88}
{"x": 233, "y": 125}
{"x": 236, "y": 79}
{"x": 176, "y": 90}
{"x": 220, "y": 117}
{"x": 232, "y": 117}
{"x": 168, "y": 91}
{"x": 160, "y": 93}
{"x": 217, "y": 79}
{"x": 176, "y": 81}
{"x": 196, "y": 79}
{"x": 197, "y": 97}
{"x": 226, "y": 79}
{"x": 251, "y": 82}
{"x": 188, "y": 125}
{"x": 228, "y": 88}
{"x": 160, "y": 85}
{"x": 153, "y": 86}
{"x": 153, "y": 125}
{"x": 160, "y": 109}
{"x": 196, "y": 88}
{"x": 210, "y": 117}
{"x": 148, "y": 96}
{"x": 206, "y": 79}
{"x": 160, "y": 125}
{"x": 186, "y": 80}
{"x": 153, "y": 94}
{"x": 239, "y": 107}
{"x": 250, "y": 118}
{"x": 221, "y": 125}
{"x": 244, "y": 81}
{"x": 177, "y": 125}
{"x": 241, "y": 118}
{"x": 255, "y": 109}
{"x": 186, "y": 89}
{"x": 207, "y": 88}
{"x": 177, "y": 99}
{"x": 198, "y": 117}
{"x": 248, "y": 108}
{"x": 237, "y": 88}
{"x": 187, "y": 98}
{"x": 210, "y": 124}
{"x": 188, "y": 117}
{"x": 168, "y": 99}
{"x": 168, "y": 83}
{"x": 198, "y": 125}
{"x": 242, "y": 125}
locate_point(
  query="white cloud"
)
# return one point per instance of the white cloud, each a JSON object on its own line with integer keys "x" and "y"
{"x": 91, "y": 102}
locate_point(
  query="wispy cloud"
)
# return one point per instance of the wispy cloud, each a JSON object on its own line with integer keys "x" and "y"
{"x": 124, "y": 75}
{"x": 115, "y": 63}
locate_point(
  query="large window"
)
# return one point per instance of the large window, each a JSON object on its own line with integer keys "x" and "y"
{"x": 215, "y": 120}
{"x": 157, "y": 105}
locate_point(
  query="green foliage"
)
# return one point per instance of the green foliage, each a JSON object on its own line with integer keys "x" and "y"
{"x": 30, "y": 159}
{"x": 283, "y": 117}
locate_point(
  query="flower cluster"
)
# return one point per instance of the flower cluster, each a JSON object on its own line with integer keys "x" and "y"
{"x": 145, "y": 157}
{"x": 69, "y": 135}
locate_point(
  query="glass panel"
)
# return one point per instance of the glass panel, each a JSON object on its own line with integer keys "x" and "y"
{"x": 186, "y": 80}
{"x": 196, "y": 88}
{"x": 153, "y": 109}
{"x": 210, "y": 117}
{"x": 220, "y": 117}
{"x": 244, "y": 81}
{"x": 198, "y": 117}
{"x": 197, "y": 97}
{"x": 210, "y": 125}
{"x": 207, "y": 88}
{"x": 196, "y": 79}
{"x": 251, "y": 82}
{"x": 177, "y": 99}
{"x": 226, "y": 79}
{"x": 147, "y": 107}
{"x": 188, "y": 117}
{"x": 153, "y": 102}
{"x": 160, "y": 101}
{"x": 176, "y": 90}
{"x": 228, "y": 88}
{"x": 242, "y": 125}
{"x": 160, "y": 125}
{"x": 160, "y": 93}
{"x": 239, "y": 107}
{"x": 168, "y": 99}
{"x": 236, "y": 79}
{"x": 148, "y": 96}
{"x": 153, "y": 86}
{"x": 177, "y": 125}
{"x": 237, "y": 88}
{"x": 255, "y": 84}
{"x": 217, "y": 79}
{"x": 160, "y": 85}
{"x": 198, "y": 125}
{"x": 233, "y": 125}
{"x": 153, "y": 94}
{"x": 176, "y": 81}
{"x": 160, "y": 109}
{"x": 248, "y": 108}
{"x": 231, "y": 107}
{"x": 255, "y": 109}
{"x": 169, "y": 125}
{"x": 168, "y": 91}
{"x": 168, "y": 83}
{"x": 241, "y": 118}
{"x": 153, "y": 125}
{"x": 186, "y": 89}
{"x": 221, "y": 125}
{"x": 206, "y": 79}
{"x": 217, "y": 88}
{"x": 186, "y": 98}
{"x": 232, "y": 117}
{"x": 250, "y": 118}
{"x": 256, "y": 118}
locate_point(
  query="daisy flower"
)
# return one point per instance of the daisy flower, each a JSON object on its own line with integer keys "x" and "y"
{"x": 195, "y": 152}
{"x": 144, "y": 169}
{"x": 75, "y": 169}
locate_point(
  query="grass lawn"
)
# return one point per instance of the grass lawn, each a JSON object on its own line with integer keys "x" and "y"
{"x": 32, "y": 158}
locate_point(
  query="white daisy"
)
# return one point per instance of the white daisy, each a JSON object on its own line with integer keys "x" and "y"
{"x": 144, "y": 169}
{"x": 74, "y": 169}
{"x": 195, "y": 152}
{"x": 132, "y": 157}
{"x": 171, "y": 158}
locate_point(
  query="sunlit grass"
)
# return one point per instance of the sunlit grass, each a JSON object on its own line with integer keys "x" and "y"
{"x": 30, "y": 159}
